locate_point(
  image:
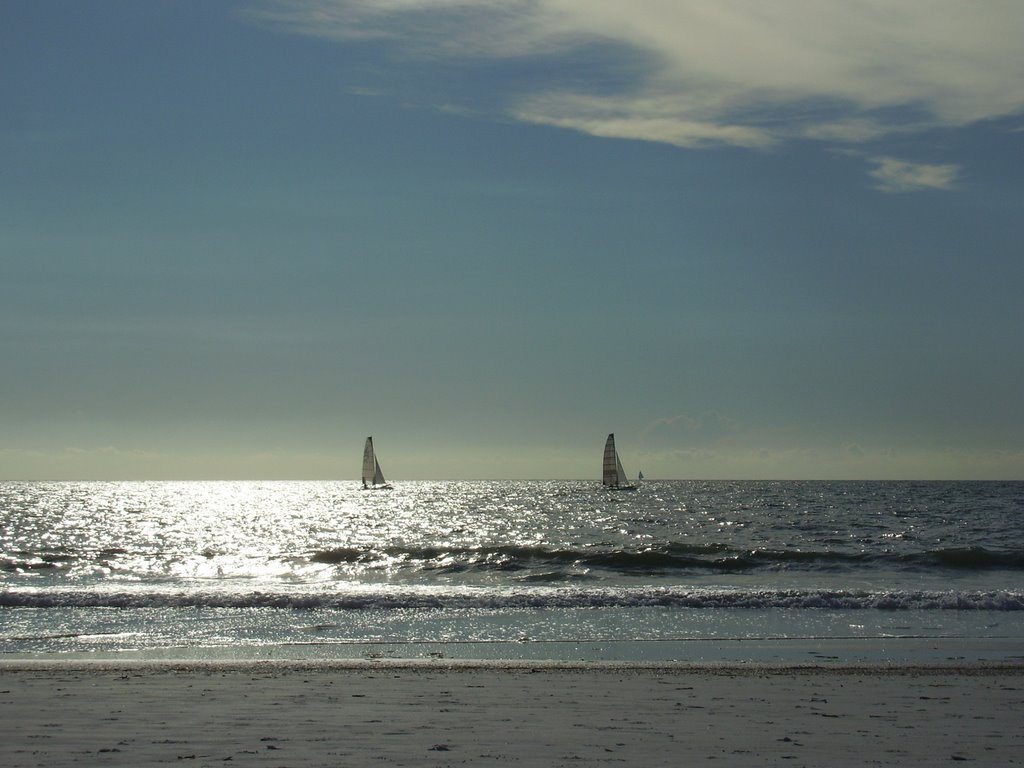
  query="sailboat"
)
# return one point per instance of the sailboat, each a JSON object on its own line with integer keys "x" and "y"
{"x": 373, "y": 478}
{"x": 613, "y": 475}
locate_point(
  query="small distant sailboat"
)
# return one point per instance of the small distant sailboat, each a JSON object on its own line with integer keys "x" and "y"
{"x": 373, "y": 478}
{"x": 639, "y": 475}
{"x": 613, "y": 476}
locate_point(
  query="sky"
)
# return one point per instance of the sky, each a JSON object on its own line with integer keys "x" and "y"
{"x": 754, "y": 240}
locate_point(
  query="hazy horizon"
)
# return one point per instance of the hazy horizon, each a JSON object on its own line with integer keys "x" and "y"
{"x": 755, "y": 241}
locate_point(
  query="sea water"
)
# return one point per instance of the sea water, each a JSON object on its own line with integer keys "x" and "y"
{"x": 677, "y": 570}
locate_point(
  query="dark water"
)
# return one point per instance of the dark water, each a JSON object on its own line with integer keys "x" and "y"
{"x": 148, "y": 567}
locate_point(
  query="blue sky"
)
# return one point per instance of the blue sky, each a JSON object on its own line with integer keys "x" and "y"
{"x": 755, "y": 240}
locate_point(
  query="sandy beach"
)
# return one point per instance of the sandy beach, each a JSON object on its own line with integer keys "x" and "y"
{"x": 427, "y": 714}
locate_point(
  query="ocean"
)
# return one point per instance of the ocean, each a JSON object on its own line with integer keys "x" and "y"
{"x": 513, "y": 570}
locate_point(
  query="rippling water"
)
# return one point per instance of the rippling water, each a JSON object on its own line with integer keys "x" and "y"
{"x": 242, "y": 567}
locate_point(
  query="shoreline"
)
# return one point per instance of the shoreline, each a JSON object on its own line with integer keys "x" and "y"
{"x": 792, "y": 651}
{"x": 185, "y": 665}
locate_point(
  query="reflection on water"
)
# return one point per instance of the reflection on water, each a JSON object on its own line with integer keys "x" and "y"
{"x": 119, "y": 566}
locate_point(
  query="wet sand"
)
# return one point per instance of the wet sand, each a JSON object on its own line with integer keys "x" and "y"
{"x": 522, "y": 714}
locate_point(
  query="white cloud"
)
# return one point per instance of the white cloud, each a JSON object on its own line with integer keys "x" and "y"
{"x": 646, "y": 119}
{"x": 895, "y": 175}
{"x": 750, "y": 73}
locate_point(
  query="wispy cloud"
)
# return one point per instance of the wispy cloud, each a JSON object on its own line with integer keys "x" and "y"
{"x": 895, "y": 175}
{"x": 687, "y": 431}
{"x": 744, "y": 72}
{"x": 645, "y": 118}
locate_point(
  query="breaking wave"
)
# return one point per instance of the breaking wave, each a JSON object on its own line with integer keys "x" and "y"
{"x": 389, "y": 599}
{"x": 668, "y": 557}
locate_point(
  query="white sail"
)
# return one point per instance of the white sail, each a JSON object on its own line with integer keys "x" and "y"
{"x": 372, "y": 475}
{"x": 609, "y": 474}
{"x": 620, "y": 473}
{"x": 612, "y": 473}
{"x": 369, "y": 462}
